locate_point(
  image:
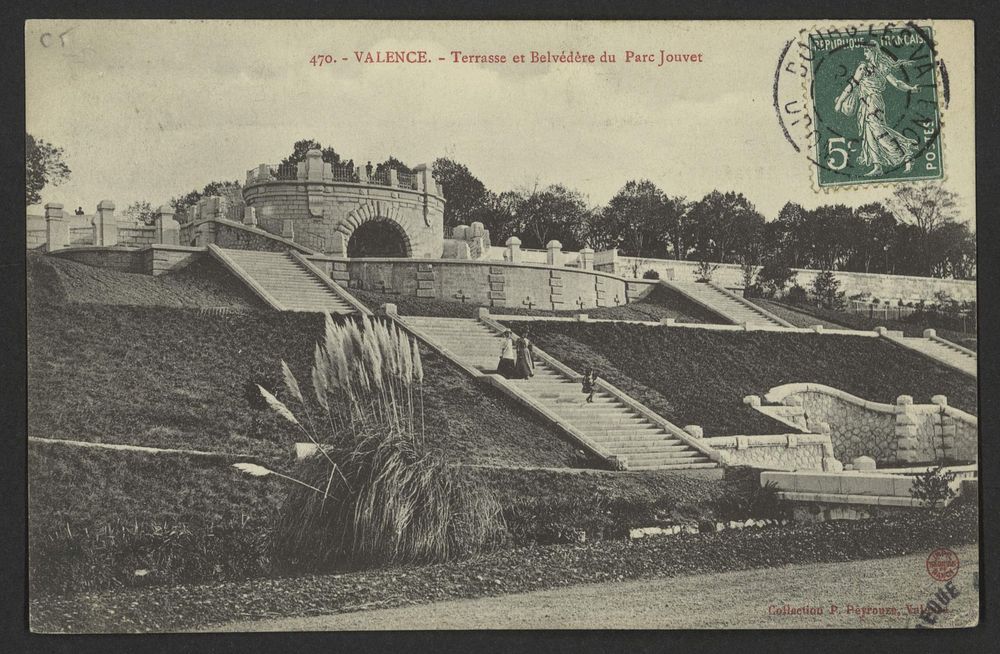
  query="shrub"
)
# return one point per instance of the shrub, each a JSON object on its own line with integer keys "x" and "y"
{"x": 826, "y": 291}
{"x": 931, "y": 487}
{"x": 774, "y": 277}
{"x": 375, "y": 493}
{"x": 650, "y": 274}
{"x": 797, "y": 295}
{"x": 704, "y": 271}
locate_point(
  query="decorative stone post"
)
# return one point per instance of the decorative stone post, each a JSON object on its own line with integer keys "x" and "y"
{"x": 56, "y": 227}
{"x": 314, "y": 166}
{"x": 514, "y": 249}
{"x": 393, "y": 177}
{"x": 105, "y": 227}
{"x": 587, "y": 259}
{"x": 553, "y": 253}
{"x": 906, "y": 430}
{"x": 249, "y": 216}
{"x": 167, "y": 231}
{"x": 930, "y": 333}
{"x": 695, "y": 431}
{"x": 425, "y": 180}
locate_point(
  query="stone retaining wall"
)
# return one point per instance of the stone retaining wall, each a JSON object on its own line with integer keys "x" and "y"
{"x": 779, "y": 452}
{"x": 885, "y": 432}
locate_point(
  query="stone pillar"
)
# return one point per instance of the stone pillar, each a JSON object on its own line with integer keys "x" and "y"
{"x": 167, "y": 232}
{"x": 393, "y": 177}
{"x": 460, "y": 232}
{"x": 906, "y": 430}
{"x": 288, "y": 229}
{"x": 362, "y": 174}
{"x": 694, "y": 431}
{"x": 56, "y": 227}
{"x": 105, "y": 227}
{"x": 425, "y": 180}
{"x": 514, "y": 249}
{"x": 930, "y": 333}
{"x": 249, "y": 216}
{"x": 553, "y": 253}
{"x": 587, "y": 259}
{"x": 314, "y": 166}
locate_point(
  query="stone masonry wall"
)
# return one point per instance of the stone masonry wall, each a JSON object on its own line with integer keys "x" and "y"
{"x": 779, "y": 452}
{"x": 492, "y": 284}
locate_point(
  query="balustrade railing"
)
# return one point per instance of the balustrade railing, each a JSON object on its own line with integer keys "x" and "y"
{"x": 341, "y": 173}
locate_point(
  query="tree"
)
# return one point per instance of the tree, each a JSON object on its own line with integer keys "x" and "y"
{"x": 873, "y": 228}
{"x": 773, "y": 277}
{"x": 43, "y": 165}
{"x": 828, "y": 230}
{"x": 637, "y": 220}
{"x": 301, "y": 148}
{"x": 928, "y": 207}
{"x": 141, "y": 212}
{"x": 953, "y": 247}
{"x": 826, "y": 291}
{"x": 182, "y": 204}
{"x": 555, "y": 212}
{"x": 394, "y": 163}
{"x": 721, "y": 223}
{"x": 788, "y": 234}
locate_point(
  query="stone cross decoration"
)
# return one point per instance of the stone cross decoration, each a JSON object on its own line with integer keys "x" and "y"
{"x": 579, "y": 301}
{"x": 528, "y": 303}
{"x": 461, "y": 296}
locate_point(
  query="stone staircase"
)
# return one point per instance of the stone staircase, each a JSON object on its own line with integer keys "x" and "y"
{"x": 285, "y": 281}
{"x": 728, "y": 305}
{"x": 608, "y": 422}
{"x": 942, "y": 351}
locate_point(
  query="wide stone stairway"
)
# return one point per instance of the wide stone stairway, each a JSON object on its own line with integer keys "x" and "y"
{"x": 734, "y": 309}
{"x": 286, "y": 282}
{"x": 940, "y": 350}
{"x": 607, "y": 422}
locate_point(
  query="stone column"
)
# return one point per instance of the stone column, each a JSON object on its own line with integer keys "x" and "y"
{"x": 56, "y": 227}
{"x": 553, "y": 253}
{"x": 587, "y": 259}
{"x": 167, "y": 232}
{"x": 105, "y": 227}
{"x": 393, "y": 177}
{"x": 514, "y": 249}
{"x": 906, "y": 430}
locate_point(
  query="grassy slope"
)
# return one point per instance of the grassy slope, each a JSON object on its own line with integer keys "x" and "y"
{"x": 803, "y": 315}
{"x": 694, "y": 376}
{"x": 660, "y": 302}
{"x": 173, "y": 377}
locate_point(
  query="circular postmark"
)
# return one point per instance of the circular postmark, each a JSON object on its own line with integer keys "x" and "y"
{"x": 942, "y": 564}
{"x": 861, "y": 103}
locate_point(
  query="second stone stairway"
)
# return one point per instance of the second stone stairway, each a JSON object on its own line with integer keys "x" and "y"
{"x": 608, "y": 422}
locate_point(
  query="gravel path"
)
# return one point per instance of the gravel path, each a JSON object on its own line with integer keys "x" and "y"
{"x": 701, "y": 601}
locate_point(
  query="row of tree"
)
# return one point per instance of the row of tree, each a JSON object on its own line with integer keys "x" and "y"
{"x": 916, "y": 232}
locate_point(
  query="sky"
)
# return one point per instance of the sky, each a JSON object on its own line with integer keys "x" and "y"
{"x": 148, "y": 110}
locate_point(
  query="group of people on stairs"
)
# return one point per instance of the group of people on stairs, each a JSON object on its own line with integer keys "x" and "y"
{"x": 516, "y": 358}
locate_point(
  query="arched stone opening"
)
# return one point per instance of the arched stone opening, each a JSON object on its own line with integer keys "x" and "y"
{"x": 378, "y": 237}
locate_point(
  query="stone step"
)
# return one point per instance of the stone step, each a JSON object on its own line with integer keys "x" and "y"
{"x": 678, "y": 467}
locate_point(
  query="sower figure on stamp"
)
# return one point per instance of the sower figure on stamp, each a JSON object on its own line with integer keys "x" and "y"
{"x": 525, "y": 366}
{"x": 862, "y": 97}
{"x": 506, "y": 365}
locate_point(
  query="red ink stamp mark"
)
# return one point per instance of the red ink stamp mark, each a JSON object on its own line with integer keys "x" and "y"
{"x": 942, "y": 564}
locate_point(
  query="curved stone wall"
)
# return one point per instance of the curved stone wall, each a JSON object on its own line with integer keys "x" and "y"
{"x": 322, "y": 212}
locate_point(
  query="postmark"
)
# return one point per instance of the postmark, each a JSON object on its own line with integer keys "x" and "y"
{"x": 861, "y": 103}
{"x": 942, "y": 564}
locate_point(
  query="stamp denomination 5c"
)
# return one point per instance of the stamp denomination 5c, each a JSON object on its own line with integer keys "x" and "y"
{"x": 875, "y": 102}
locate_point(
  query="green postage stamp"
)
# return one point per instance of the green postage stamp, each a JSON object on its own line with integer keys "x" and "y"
{"x": 875, "y": 101}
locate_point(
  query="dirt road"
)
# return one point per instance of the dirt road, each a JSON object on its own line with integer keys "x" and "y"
{"x": 790, "y": 597}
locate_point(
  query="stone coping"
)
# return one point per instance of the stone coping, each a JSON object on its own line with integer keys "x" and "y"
{"x": 834, "y": 498}
{"x": 777, "y": 394}
{"x": 257, "y": 231}
{"x": 335, "y": 182}
{"x": 772, "y": 440}
{"x": 175, "y": 248}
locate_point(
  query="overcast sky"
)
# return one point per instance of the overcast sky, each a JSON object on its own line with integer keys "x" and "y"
{"x": 151, "y": 110}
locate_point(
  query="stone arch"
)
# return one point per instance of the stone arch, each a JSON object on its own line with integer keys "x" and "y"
{"x": 389, "y": 213}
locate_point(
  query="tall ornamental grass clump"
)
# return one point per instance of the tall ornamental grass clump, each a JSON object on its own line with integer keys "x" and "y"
{"x": 375, "y": 493}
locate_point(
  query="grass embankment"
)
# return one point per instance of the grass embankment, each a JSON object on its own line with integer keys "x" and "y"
{"x": 98, "y": 516}
{"x": 660, "y": 302}
{"x": 203, "y": 283}
{"x": 510, "y": 571}
{"x": 806, "y": 315}
{"x": 695, "y": 376}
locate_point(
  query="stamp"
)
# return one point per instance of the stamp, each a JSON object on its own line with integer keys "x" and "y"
{"x": 874, "y": 102}
{"x": 942, "y": 564}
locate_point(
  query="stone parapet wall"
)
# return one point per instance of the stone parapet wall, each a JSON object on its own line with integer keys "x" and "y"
{"x": 888, "y": 433}
{"x": 885, "y": 287}
{"x": 124, "y": 260}
{"x": 492, "y": 284}
{"x": 778, "y": 452}
{"x": 137, "y": 236}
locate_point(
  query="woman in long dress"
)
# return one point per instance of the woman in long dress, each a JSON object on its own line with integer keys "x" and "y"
{"x": 507, "y": 358}
{"x": 881, "y": 146}
{"x": 525, "y": 366}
